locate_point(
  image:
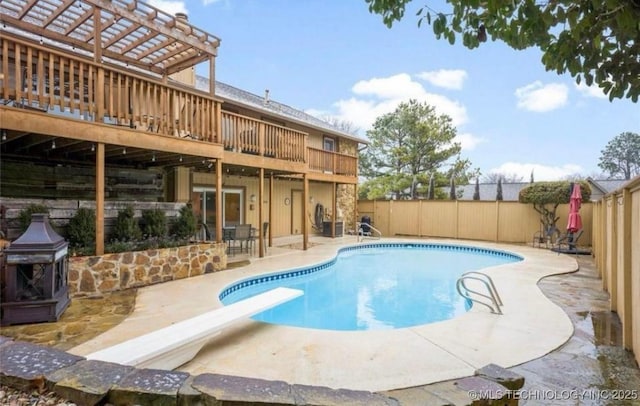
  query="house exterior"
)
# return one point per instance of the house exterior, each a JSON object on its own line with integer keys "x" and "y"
{"x": 99, "y": 100}
{"x": 511, "y": 191}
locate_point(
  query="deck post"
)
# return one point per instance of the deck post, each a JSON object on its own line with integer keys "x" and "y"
{"x": 219, "y": 200}
{"x": 305, "y": 210}
{"x": 100, "y": 199}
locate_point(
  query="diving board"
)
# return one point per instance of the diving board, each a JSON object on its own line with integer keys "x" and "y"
{"x": 174, "y": 345}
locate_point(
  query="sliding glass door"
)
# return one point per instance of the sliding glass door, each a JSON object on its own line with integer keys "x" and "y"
{"x": 204, "y": 206}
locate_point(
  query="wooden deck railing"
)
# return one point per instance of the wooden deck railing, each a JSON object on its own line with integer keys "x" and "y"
{"x": 251, "y": 136}
{"x": 38, "y": 77}
{"x": 45, "y": 79}
{"x": 332, "y": 162}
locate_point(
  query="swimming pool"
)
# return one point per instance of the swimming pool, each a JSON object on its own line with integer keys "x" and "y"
{"x": 373, "y": 286}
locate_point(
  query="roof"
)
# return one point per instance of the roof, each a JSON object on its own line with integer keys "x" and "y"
{"x": 247, "y": 99}
{"x": 607, "y": 185}
{"x": 511, "y": 191}
{"x": 488, "y": 191}
{"x": 131, "y": 32}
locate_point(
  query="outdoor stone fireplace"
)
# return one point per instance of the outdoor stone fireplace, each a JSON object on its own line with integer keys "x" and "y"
{"x": 34, "y": 278}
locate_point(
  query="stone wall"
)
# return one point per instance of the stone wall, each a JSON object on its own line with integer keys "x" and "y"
{"x": 96, "y": 275}
{"x": 346, "y": 199}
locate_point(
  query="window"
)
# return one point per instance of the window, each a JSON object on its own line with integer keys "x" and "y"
{"x": 329, "y": 144}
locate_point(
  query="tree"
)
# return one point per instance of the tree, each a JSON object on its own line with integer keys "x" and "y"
{"x": 598, "y": 41}
{"x": 476, "y": 192}
{"x": 342, "y": 125}
{"x": 621, "y": 156}
{"x": 432, "y": 186}
{"x": 499, "y": 190}
{"x": 452, "y": 189}
{"x": 547, "y": 196}
{"x": 407, "y": 144}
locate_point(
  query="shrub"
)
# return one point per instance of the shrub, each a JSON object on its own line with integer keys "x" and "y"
{"x": 186, "y": 224}
{"x": 126, "y": 228}
{"x": 120, "y": 246}
{"x": 154, "y": 223}
{"x": 25, "y": 215}
{"x": 82, "y": 228}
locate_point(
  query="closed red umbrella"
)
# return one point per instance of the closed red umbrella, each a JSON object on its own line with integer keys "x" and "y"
{"x": 575, "y": 201}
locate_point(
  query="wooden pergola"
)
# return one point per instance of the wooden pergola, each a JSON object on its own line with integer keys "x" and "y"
{"x": 120, "y": 31}
{"x": 129, "y": 36}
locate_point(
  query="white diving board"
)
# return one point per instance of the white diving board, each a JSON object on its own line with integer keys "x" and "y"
{"x": 174, "y": 345}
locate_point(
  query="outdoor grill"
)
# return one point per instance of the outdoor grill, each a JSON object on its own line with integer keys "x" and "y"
{"x": 34, "y": 278}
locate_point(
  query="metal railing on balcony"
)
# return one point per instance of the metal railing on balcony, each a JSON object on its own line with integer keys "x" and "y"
{"x": 332, "y": 162}
{"x": 37, "y": 77}
{"x": 251, "y": 136}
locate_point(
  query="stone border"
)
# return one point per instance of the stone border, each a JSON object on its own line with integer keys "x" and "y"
{"x": 96, "y": 275}
{"x": 25, "y": 366}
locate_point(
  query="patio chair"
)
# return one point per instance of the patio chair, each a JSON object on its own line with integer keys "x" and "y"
{"x": 545, "y": 237}
{"x": 568, "y": 242}
{"x": 243, "y": 236}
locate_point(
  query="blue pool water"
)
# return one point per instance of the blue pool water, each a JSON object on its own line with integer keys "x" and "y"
{"x": 373, "y": 286}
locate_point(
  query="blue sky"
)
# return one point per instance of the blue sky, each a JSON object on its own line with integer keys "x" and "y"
{"x": 334, "y": 58}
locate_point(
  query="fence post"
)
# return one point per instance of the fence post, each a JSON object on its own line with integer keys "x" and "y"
{"x": 627, "y": 320}
{"x": 497, "y": 220}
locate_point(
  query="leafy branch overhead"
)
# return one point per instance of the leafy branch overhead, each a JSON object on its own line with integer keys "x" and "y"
{"x": 596, "y": 41}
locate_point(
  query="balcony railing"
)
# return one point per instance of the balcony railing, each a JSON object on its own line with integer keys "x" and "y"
{"x": 251, "y": 136}
{"x": 48, "y": 80}
{"x": 332, "y": 162}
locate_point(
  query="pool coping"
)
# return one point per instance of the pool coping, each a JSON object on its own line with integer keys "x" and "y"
{"x": 531, "y": 327}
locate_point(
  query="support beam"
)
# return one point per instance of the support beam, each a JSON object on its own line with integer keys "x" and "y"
{"x": 305, "y": 210}
{"x": 334, "y": 210}
{"x": 355, "y": 208}
{"x": 260, "y": 216}
{"x": 219, "y": 201}
{"x": 271, "y": 179}
{"x": 100, "y": 174}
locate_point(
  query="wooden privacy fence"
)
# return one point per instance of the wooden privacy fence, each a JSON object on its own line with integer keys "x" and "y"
{"x": 498, "y": 221}
{"x": 616, "y": 246}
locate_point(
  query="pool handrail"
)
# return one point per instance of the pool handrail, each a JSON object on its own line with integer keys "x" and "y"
{"x": 493, "y": 296}
{"x": 362, "y": 235}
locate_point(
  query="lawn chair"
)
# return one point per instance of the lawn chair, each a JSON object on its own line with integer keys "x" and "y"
{"x": 545, "y": 237}
{"x": 243, "y": 236}
{"x": 568, "y": 242}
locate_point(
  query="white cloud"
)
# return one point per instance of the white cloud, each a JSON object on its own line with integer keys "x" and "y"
{"x": 591, "y": 91}
{"x": 468, "y": 141}
{"x": 169, "y": 6}
{"x": 540, "y": 98}
{"x": 540, "y": 172}
{"x": 375, "y": 97}
{"x": 447, "y": 78}
{"x": 392, "y": 87}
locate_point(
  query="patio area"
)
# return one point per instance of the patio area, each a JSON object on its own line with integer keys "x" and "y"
{"x": 588, "y": 358}
{"x": 532, "y": 326}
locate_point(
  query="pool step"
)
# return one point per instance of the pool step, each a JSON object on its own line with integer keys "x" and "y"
{"x": 491, "y": 385}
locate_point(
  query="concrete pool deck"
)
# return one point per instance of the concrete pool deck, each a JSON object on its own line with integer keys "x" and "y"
{"x": 530, "y": 327}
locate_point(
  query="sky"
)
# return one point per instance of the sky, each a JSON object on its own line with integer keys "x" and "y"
{"x": 334, "y": 58}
